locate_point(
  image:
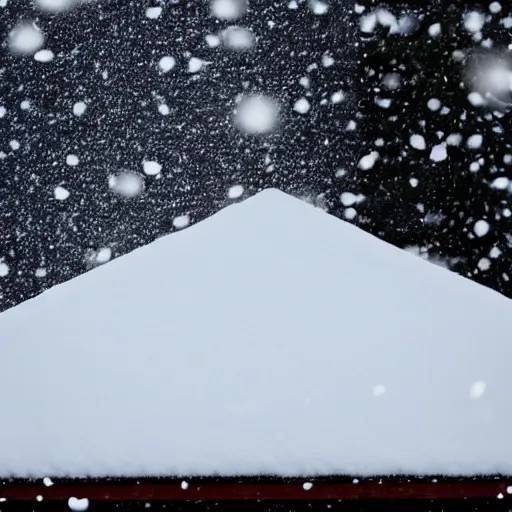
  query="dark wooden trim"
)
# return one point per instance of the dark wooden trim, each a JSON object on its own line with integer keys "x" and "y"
{"x": 241, "y": 489}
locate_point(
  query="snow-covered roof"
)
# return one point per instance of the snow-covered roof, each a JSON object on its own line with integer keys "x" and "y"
{"x": 271, "y": 338}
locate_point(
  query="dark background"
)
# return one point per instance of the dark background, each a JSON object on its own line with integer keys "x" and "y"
{"x": 264, "y": 506}
{"x": 106, "y": 54}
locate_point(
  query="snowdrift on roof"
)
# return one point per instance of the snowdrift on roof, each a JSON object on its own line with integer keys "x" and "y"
{"x": 271, "y": 338}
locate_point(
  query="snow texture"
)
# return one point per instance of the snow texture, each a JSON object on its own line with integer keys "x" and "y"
{"x": 243, "y": 345}
{"x": 204, "y": 89}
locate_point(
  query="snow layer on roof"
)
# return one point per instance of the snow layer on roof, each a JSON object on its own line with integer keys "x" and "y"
{"x": 271, "y": 338}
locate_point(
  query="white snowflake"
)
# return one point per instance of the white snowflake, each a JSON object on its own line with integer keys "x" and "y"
{"x": 235, "y": 191}
{"x": 481, "y": 228}
{"x": 151, "y": 168}
{"x": 418, "y": 142}
{"x": 25, "y": 39}
{"x": 368, "y": 161}
{"x": 79, "y": 108}
{"x": 60, "y": 193}
{"x": 4, "y": 269}
{"x": 379, "y": 390}
{"x": 475, "y": 141}
{"x": 438, "y": 153}
{"x": 302, "y": 106}
{"x": 78, "y": 505}
{"x": 54, "y": 5}
{"x": 238, "y": 38}
{"x": 181, "y": 222}
{"x": 477, "y": 389}
{"x": 72, "y": 160}
{"x": 257, "y": 114}
{"x": 474, "y": 21}
{"x": 166, "y": 63}
{"x": 126, "y": 184}
{"x": 44, "y": 56}
{"x": 103, "y": 255}
{"x": 228, "y": 9}
{"x": 153, "y": 12}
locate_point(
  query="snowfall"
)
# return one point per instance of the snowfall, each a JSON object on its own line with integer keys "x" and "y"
{"x": 271, "y": 338}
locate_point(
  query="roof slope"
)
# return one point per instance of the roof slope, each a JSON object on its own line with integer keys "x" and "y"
{"x": 271, "y": 338}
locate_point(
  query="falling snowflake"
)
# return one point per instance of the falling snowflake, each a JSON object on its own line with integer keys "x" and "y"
{"x": 257, "y": 114}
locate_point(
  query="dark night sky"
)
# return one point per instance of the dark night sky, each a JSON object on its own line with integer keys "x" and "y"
{"x": 106, "y": 54}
